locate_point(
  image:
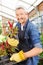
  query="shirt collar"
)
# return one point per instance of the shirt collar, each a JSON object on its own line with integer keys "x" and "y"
{"x": 26, "y": 23}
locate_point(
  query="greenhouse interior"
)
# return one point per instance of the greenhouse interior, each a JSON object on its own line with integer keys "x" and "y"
{"x": 21, "y": 23}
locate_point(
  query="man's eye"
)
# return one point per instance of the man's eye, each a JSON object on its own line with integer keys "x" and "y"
{"x": 17, "y": 15}
{"x": 21, "y": 14}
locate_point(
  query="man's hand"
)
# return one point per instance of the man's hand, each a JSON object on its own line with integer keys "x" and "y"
{"x": 18, "y": 57}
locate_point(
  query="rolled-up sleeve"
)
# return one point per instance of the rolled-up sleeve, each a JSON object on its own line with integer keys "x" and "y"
{"x": 35, "y": 37}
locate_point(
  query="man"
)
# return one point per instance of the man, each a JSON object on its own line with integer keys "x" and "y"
{"x": 29, "y": 38}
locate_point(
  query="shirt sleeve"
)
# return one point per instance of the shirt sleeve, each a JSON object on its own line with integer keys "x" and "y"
{"x": 35, "y": 36}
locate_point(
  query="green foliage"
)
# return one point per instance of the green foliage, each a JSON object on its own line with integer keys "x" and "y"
{"x": 0, "y": 28}
{"x": 0, "y": 31}
{"x": 41, "y": 55}
{"x": 41, "y": 37}
{"x": 40, "y": 63}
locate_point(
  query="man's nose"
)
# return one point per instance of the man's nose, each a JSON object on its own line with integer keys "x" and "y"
{"x": 19, "y": 17}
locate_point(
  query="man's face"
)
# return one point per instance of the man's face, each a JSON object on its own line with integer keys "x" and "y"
{"x": 21, "y": 15}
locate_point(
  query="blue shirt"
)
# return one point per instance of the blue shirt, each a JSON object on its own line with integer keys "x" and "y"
{"x": 35, "y": 39}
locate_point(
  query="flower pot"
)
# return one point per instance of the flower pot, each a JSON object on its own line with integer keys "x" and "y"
{"x": 4, "y": 57}
{"x": 4, "y": 60}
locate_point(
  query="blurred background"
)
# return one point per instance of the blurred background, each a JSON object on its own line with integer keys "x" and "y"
{"x": 35, "y": 14}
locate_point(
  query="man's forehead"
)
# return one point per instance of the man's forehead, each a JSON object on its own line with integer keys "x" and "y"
{"x": 20, "y": 11}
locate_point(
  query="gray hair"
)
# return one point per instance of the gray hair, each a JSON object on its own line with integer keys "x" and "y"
{"x": 20, "y": 7}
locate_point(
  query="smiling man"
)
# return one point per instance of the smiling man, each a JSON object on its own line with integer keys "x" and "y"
{"x": 29, "y": 40}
